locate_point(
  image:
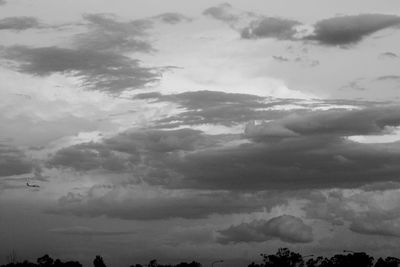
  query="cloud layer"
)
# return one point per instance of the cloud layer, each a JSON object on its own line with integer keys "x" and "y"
{"x": 103, "y": 71}
{"x": 18, "y": 23}
{"x": 13, "y": 161}
{"x": 347, "y": 30}
{"x": 286, "y": 228}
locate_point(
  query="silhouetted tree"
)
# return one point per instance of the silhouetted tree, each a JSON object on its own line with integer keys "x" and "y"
{"x": 253, "y": 264}
{"x": 192, "y": 264}
{"x": 45, "y": 261}
{"x": 98, "y": 262}
{"x": 358, "y": 259}
{"x": 388, "y": 262}
{"x": 318, "y": 262}
{"x": 153, "y": 263}
{"x": 283, "y": 258}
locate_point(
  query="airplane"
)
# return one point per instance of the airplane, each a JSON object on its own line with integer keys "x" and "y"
{"x": 31, "y": 185}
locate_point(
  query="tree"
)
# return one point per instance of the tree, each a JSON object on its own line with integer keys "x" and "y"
{"x": 388, "y": 262}
{"x": 357, "y": 259}
{"x": 152, "y": 263}
{"x": 283, "y": 258}
{"x": 192, "y": 264}
{"x": 45, "y": 261}
{"x": 98, "y": 262}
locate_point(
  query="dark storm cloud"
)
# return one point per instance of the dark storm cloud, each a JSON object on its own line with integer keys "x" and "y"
{"x": 286, "y": 228}
{"x": 157, "y": 141}
{"x": 153, "y": 203}
{"x": 85, "y": 157}
{"x": 305, "y": 151}
{"x": 122, "y": 151}
{"x": 103, "y": 71}
{"x": 13, "y": 161}
{"x": 18, "y": 23}
{"x": 271, "y": 27}
{"x": 298, "y": 151}
{"x": 105, "y": 33}
{"x": 172, "y": 18}
{"x": 335, "y": 123}
{"x": 87, "y": 231}
{"x": 347, "y": 30}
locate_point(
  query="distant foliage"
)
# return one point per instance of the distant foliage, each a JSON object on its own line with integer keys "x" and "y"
{"x": 44, "y": 261}
{"x": 286, "y": 258}
{"x": 99, "y": 262}
{"x": 154, "y": 263}
{"x": 282, "y": 258}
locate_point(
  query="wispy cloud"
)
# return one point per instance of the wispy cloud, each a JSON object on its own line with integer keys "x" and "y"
{"x": 87, "y": 231}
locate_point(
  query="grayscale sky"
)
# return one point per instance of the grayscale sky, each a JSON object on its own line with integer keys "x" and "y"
{"x": 199, "y": 130}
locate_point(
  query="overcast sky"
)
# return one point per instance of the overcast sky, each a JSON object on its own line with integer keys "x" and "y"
{"x": 199, "y": 130}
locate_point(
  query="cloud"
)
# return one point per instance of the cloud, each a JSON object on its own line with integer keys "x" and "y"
{"x": 280, "y": 58}
{"x": 251, "y": 25}
{"x": 215, "y": 107}
{"x": 390, "y": 55}
{"x": 121, "y": 152}
{"x": 103, "y": 71}
{"x": 286, "y": 228}
{"x": 223, "y": 12}
{"x": 158, "y": 141}
{"x": 370, "y": 210}
{"x": 19, "y": 23}
{"x": 142, "y": 202}
{"x": 13, "y": 161}
{"x": 388, "y": 78}
{"x": 340, "y": 123}
{"x": 105, "y": 33}
{"x": 381, "y": 186}
{"x": 347, "y": 30}
{"x": 270, "y": 27}
{"x": 85, "y": 157}
{"x": 299, "y": 152}
{"x": 97, "y": 58}
{"x": 172, "y": 18}
{"x": 87, "y": 231}
{"x": 3, "y": 2}
{"x": 377, "y": 227}
{"x": 43, "y": 131}
{"x": 205, "y": 99}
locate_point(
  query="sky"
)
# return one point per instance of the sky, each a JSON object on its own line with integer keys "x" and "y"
{"x": 198, "y": 130}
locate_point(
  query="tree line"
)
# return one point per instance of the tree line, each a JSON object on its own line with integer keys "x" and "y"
{"x": 282, "y": 258}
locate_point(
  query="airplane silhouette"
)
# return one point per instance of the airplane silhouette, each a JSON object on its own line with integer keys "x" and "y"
{"x": 31, "y": 185}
